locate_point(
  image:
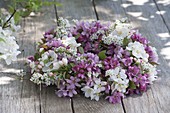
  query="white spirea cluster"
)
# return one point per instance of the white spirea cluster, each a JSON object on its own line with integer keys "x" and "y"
{"x": 117, "y": 32}
{"x": 41, "y": 79}
{"x": 62, "y": 28}
{"x": 138, "y": 50}
{"x": 151, "y": 71}
{"x": 112, "y": 39}
{"x": 97, "y": 34}
{"x": 8, "y": 46}
{"x": 119, "y": 78}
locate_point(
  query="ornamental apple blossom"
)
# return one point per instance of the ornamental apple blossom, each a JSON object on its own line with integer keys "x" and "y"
{"x": 138, "y": 50}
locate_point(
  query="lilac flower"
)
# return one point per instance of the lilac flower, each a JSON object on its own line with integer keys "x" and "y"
{"x": 133, "y": 71}
{"x": 138, "y": 37}
{"x": 127, "y": 61}
{"x": 73, "y": 82}
{"x": 115, "y": 97}
{"x": 49, "y": 35}
{"x": 153, "y": 57}
{"x": 142, "y": 81}
{"x": 89, "y": 82}
{"x": 62, "y": 93}
{"x": 107, "y": 89}
{"x": 110, "y": 63}
{"x": 54, "y": 43}
{"x": 31, "y": 58}
{"x": 71, "y": 92}
{"x": 89, "y": 64}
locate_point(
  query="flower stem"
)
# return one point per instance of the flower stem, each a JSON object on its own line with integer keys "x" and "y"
{"x": 9, "y": 18}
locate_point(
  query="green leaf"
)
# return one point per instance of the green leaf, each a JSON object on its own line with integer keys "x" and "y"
{"x": 17, "y": 17}
{"x": 154, "y": 63}
{"x": 10, "y": 9}
{"x": 25, "y": 13}
{"x": 132, "y": 85}
{"x": 72, "y": 64}
{"x": 125, "y": 41}
{"x": 36, "y": 56}
{"x": 81, "y": 50}
{"x": 77, "y": 36}
{"x": 2, "y": 40}
{"x": 102, "y": 54}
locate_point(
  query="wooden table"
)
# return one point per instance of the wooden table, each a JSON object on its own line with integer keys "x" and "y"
{"x": 151, "y": 17}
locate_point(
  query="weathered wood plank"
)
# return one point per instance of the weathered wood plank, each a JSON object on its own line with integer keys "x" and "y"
{"x": 17, "y": 96}
{"x": 50, "y": 103}
{"x": 152, "y": 26}
{"x": 84, "y": 105}
{"x": 142, "y": 15}
{"x": 76, "y": 9}
{"x": 28, "y": 97}
{"x": 84, "y": 10}
{"x": 108, "y": 10}
{"x": 163, "y": 10}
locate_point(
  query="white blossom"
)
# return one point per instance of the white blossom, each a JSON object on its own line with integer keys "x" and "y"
{"x": 41, "y": 79}
{"x": 138, "y": 50}
{"x": 119, "y": 78}
{"x": 88, "y": 91}
{"x": 8, "y": 46}
{"x": 151, "y": 71}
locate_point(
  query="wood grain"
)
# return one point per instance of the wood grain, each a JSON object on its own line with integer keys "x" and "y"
{"x": 28, "y": 97}
{"x": 76, "y": 9}
{"x": 163, "y": 10}
{"x": 17, "y": 96}
{"x": 49, "y": 102}
{"x": 143, "y": 16}
{"x": 86, "y": 11}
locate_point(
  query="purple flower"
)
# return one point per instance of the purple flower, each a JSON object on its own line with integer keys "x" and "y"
{"x": 54, "y": 43}
{"x": 89, "y": 82}
{"x": 133, "y": 71}
{"x": 87, "y": 65}
{"x": 31, "y": 58}
{"x": 153, "y": 57}
{"x": 115, "y": 98}
{"x": 61, "y": 93}
{"x": 110, "y": 63}
{"x": 127, "y": 61}
{"x": 138, "y": 37}
{"x": 142, "y": 81}
{"x": 73, "y": 82}
{"x": 71, "y": 92}
{"x": 107, "y": 89}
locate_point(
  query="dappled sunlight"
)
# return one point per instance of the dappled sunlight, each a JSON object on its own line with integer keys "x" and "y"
{"x": 135, "y": 14}
{"x": 160, "y": 12}
{"x": 5, "y": 80}
{"x": 125, "y": 5}
{"x": 164, "y": 2}
{"x": 11, "y": 70}
{"x": 143, "y": 18}
{"x": 138, "y": 15}
{"x": 138, "y": 2}
{"x": 166, "y": 53}
{"x": 164, "y": 36}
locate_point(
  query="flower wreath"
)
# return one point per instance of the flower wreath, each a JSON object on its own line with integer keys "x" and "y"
{"x": 95, "y": 59}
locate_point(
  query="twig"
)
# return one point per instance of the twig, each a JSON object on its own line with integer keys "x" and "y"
{"x": 9, "y": 18}
{"x": 56, "y": 13}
